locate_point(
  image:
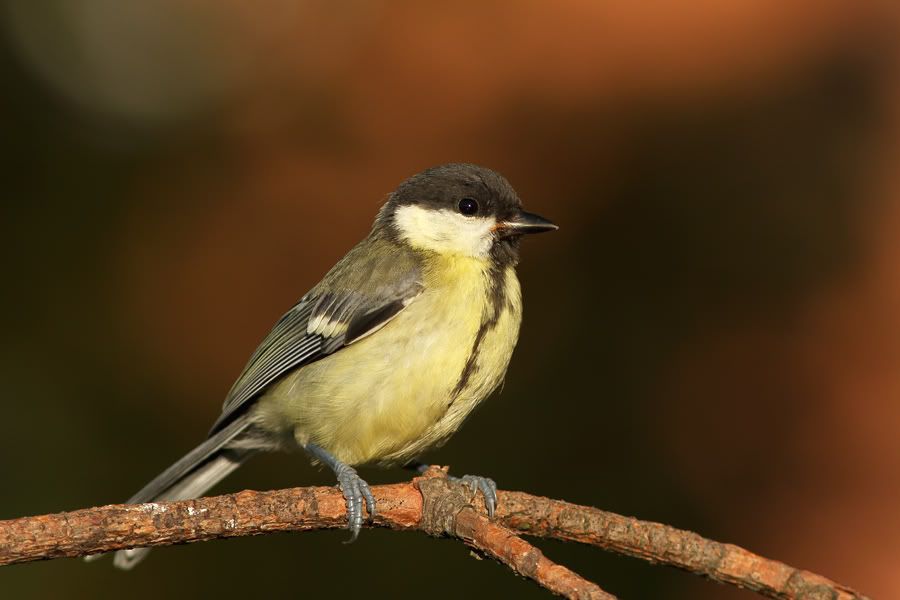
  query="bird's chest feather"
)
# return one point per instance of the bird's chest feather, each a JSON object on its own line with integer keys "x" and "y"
{"x": 464, "y": 332}
{"x": 409, "y": 386}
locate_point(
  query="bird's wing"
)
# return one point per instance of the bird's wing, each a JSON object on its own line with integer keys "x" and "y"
{"x": 364, "y": 291}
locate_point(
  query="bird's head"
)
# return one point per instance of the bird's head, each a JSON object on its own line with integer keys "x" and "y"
{"x": 460, "y": 209}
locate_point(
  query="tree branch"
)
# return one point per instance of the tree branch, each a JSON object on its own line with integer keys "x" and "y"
{"x": 661, "y": 544}
{"x": 431, "y": 504}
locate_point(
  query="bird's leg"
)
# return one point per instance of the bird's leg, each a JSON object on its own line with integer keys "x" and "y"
{"x": 486, "y": 485}
{"x": 354, "y": 488}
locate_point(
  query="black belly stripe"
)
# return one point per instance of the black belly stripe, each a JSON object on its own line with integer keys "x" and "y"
{"x": 497, "y": 301}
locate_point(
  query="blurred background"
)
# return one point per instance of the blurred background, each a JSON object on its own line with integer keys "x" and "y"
{"x": 712, "y": 339}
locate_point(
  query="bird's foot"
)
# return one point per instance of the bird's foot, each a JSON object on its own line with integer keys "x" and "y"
{"x": 353, "y": 487}
{"x": 486, "y": 485}
{"x": 355, "y": 490}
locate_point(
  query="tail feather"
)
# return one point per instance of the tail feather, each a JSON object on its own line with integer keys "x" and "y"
{"x": 187, "y": 464}
{"x": 190, "y": 477}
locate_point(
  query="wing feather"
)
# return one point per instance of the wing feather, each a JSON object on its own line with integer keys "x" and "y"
{"x": 360, "y": 295}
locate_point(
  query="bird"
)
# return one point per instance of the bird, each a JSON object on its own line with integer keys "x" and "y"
{"x": 388, "y": 354}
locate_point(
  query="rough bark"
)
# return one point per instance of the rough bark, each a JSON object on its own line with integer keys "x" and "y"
{"x": 431, "y": 504}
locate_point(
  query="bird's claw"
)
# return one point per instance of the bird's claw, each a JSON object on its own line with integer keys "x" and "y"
{"x": 355, "y": 491}
{"x": 487, "y": 487}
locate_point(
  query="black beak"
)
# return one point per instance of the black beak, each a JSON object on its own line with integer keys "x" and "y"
{"x": 525, "y": 222}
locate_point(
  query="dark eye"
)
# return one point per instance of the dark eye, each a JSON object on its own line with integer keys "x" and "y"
{"x": 468, "y": 207}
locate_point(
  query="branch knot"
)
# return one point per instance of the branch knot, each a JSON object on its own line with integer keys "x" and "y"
{"x": 442, "y": 501}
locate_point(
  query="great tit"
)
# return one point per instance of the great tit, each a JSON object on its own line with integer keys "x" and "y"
{"x": 386, "y": 356}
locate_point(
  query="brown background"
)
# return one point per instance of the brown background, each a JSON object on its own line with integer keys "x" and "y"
{"x": 712, "y": 339}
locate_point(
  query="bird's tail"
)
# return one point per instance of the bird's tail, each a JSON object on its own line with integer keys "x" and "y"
{"x": 190, "y": 477}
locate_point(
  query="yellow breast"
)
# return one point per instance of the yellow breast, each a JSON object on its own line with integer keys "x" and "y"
{"x": 392, "y": 395}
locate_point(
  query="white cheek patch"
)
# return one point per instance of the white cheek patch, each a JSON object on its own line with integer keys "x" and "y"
{"x": 445, "y": 231}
